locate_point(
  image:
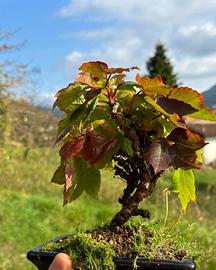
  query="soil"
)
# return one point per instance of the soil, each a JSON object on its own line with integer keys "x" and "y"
{"x": 137, "y": 241}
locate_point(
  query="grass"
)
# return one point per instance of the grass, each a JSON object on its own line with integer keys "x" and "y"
{"x": 31, "y": 209}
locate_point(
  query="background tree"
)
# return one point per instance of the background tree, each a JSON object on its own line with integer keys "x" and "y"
{"x": 159, "y": 64}
{"x": 12, "y": 75}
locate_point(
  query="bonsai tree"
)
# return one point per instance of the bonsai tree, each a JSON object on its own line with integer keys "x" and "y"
{"x": 136, "y": 127}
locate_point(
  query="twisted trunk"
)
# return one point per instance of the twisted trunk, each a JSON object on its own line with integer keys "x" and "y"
{"x": 130, "y": 207}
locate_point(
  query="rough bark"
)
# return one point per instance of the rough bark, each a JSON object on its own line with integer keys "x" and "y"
{"x": 130, "y": 208}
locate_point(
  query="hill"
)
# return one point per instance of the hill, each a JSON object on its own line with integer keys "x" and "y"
{"x": 30, "y": 125}
{"x": 210, "y": 97}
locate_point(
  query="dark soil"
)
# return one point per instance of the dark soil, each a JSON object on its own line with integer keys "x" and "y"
{"x": 137, "y": 241}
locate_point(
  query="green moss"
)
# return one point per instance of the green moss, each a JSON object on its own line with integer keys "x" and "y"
{"x": 150, "y": 242}
{"x": 158, "y": 243}
{"x": 86, "y": 252}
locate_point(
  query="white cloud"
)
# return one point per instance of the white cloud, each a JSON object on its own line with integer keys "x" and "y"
{"x": 208, "y": 28}
{"x": 132, "y": 28}
{"x": 197, "y": 67}
{"x": 197, "y": 39}
{"x": 139, "y": 10}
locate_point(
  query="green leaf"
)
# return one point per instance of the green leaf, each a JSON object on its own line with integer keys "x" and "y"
{"x": 199, "y": 154}
{"x": 86, "y": 178}
{"x": 183, "y": 183}
{"x": 59, "y": 175}
{"x": 66, "y": 96}
{"x": 126, "y": 145}
{"x": 194, "y": 99}
{"x": 83, "y": 112}
{"x": 117, "y": 79}
{"x": 204, "y": 113}
{"x": 173, "y": 117}
{"x": 130, "y": 86}
{"x": 99, "y": 113}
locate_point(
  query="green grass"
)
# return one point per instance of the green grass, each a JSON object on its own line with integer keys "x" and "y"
{"x": 31, "y": 209}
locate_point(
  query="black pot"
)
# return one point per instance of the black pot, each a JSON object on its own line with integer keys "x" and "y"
{"x": 42, "y": 259}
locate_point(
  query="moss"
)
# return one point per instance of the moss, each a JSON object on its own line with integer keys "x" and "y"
{"x": 85, "y": 252}
{"x": 95, "y": 250}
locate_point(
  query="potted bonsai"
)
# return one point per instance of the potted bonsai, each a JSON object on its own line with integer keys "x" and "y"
{"x": 138, "y": 129}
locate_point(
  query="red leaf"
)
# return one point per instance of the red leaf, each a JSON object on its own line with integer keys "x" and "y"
{"x": 187, "y": 138}
{"x": 86, "y": 78}
{"x": 98, "y": 149}
{"x": 158, "y": 156}
{"x": 72, "y": 148}
{"x": 175, "y": 106}
{"x": 183, "y": 157}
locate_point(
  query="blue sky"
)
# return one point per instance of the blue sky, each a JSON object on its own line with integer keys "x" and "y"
{"x": 61, "y": 34}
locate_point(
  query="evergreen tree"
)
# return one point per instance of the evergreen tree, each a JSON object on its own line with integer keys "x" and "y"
{"x": 159, "y": 64}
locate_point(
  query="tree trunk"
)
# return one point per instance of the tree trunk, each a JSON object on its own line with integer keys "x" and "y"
{"x": 144, "y": 189}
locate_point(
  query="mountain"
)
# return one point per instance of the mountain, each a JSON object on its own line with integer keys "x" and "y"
{"x": 210, "y": 97}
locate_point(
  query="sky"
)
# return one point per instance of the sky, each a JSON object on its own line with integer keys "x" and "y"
{"x": 59, "y": 35}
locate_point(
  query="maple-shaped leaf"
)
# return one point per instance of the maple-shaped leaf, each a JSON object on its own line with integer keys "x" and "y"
{"x": 183, "y": 183}
{"x": 187, "y": 138}
{"x": 157, "y": 155}
{"x": 171, "y": 106}
{"x": 66, "y": 96}
{"x": 194, "y": 99}
{"x": 72, "y": 148}
{"x": 153, "y": 86}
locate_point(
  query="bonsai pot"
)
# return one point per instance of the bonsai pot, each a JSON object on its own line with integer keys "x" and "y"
{"x": 42, "y": 259}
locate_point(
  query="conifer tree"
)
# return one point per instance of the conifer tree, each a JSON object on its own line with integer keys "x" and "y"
{"x": 159, "y": 64}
